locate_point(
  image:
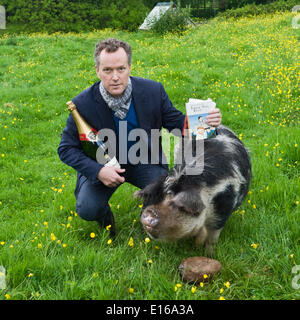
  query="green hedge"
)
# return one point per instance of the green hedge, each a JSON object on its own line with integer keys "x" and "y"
{"x": 252, "y": 9}
{"x": 64, "y": 15}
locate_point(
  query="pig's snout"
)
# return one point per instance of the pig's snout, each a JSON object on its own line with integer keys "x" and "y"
{"x": 149, "y": 218}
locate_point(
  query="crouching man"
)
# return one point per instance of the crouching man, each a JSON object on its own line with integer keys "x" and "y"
{"x": 116, "y": 98}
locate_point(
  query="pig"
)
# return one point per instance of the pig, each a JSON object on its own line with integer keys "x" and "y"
{"x": 179, "y": 204}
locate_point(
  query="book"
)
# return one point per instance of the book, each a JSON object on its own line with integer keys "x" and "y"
{"x": 196, "y": 114}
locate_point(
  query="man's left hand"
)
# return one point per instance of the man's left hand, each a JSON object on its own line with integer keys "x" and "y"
{"x": 214, "y": 118}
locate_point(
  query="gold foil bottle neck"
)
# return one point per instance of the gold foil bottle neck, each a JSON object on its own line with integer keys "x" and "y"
{"x": 71, "y": 106}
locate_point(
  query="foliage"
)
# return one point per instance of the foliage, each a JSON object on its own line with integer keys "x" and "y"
{"x": 65, "y": 15}
{"x": 174, "y": 20}
{"x": 252, "y": 9}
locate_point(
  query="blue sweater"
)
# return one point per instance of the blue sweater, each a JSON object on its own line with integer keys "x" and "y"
{"x": 131, "y": 122}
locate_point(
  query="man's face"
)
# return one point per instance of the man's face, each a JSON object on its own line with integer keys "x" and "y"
{"x": 114, "y": 71}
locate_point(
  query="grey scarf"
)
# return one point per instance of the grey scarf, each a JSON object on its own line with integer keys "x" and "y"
{"x": 119, "y": 105}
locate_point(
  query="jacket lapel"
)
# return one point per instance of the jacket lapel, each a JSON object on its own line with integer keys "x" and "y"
{"x": 140, "y": 105}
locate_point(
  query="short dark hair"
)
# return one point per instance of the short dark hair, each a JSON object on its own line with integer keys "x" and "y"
{"x": 112, "y": 45}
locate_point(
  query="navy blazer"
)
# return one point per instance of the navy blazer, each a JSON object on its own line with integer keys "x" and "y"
{"x": 153, "y": 108}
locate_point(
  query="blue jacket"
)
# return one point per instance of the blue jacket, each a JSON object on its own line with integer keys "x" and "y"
{"x": 153, "y": 108}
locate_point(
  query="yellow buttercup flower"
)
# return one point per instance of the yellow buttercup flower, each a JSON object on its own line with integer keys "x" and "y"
{"x": 130, "y": 243}
{"x": 92, "y": 235}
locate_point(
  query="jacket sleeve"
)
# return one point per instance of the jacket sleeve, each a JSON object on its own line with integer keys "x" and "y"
{"x": 171, "y": 117}
{"x": 71, "y": 153}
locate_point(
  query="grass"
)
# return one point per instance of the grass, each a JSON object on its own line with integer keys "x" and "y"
{"x": 249, "y": 66}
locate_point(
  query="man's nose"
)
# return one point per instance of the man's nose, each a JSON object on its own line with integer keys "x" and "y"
{"x": 115, "y": 75}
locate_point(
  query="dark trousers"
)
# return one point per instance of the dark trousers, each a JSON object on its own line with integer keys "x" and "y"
{"x": 92, "y": 199}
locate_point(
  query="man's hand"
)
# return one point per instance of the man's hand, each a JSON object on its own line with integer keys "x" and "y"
{"x": 110, "y": 177}
{"x": 214, "y": 118}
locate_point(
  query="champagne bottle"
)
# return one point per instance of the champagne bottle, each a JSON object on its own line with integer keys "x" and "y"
{"x": 90, "y": 141}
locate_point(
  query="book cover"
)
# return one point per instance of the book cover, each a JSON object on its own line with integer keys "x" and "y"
{"x": 196, "y": 113}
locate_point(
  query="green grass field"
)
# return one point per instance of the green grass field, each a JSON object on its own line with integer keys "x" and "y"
{"x": 250, "y": 67}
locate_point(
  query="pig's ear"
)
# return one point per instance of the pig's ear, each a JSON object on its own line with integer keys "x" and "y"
{"x": 189, "y": 201}
{"x": 153, "y": 193}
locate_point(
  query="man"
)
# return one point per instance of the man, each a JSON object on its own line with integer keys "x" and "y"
{"x": 117, "y": 99}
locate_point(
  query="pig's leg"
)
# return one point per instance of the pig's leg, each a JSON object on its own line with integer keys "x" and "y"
{"x": 212, "y": 239}
{"x": 201, "y": 236}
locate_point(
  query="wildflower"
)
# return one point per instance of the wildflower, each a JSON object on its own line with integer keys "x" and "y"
{"x": 150, "y": 261}
{"x": 109, "y": 241}
{"x": 30, "y": 275}
{"x": 141, "y": 206}
{"x": 64, "y": 245}
{"x": 147, "y": 240}
{"x": 53, "y": 238}
{"x": 7, "y": 296}
{"x": 292, "y": 256}
{"x": 193, "y": 290}
{"x": 39, "y": 245}
{"x": 45, "y": 224}
{"x": 92, "y": 235}
{"x": 2, "y": 243}
{"x": 178, "y": 285}
{"x": 22, "y": 179}
{"x": 297, "y": 202}
{"x": 130, "y": 243}
{"x": 222, "y": 298}
{"x": 131, "y": 290}
{"x": 108, "y": 227}
{"x": 2, "y": 155}
{"x": 227, "y": 284}
{"x": 254, "y": 245}
{"x": 205, "y": 276}
{"x": 201, "y": 284}
{"x": 221, "y": 290}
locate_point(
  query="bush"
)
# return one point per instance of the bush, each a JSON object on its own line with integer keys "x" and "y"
{"x": 252, "y": 9}
{"x": 174, "y": 20}
{"x": 64, "y": 15}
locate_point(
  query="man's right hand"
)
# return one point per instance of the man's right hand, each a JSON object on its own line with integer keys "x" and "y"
{"x": 110, "y": 176}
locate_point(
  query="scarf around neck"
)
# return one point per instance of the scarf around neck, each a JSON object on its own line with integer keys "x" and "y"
{"x": 119, "y": 105}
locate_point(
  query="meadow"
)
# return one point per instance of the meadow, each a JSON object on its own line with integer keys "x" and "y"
{"x": 249, "y": 66}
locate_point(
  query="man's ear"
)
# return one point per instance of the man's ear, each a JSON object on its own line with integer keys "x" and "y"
{"x": 97, "y": 71}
